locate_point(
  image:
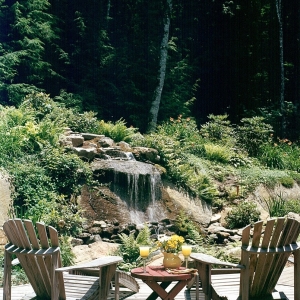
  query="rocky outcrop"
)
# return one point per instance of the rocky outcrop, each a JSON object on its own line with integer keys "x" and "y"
{"x": 5, "y": 202}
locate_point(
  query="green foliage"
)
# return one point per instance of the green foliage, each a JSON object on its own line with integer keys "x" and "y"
{"x": 253, "y": 133}
{"x": 67, "y": 255}
{"x": 287, "y": 181}
{"x": 217, "y": 153}
{"x": 194, "y": 235}
{"x": 117, "y": 131}
{"x": 67, "y": 171}
{"x": 219, "y": 130}
{"x": 182, "y": 221}
{"x": 84, "y": 122}
{"x": 31, "y": 184}
{"x": 250, "y": 178}
{"x": 276, "y": 205}
{"x": 272, "y": 157}
{"x": 69, "y": 100}
{"x": 182, "y": 129}
{"x": 66, "y": 217}
{"x": 243, "y": 214}
{"x": 279, "y": 206}
{"x": 129, "y": 248}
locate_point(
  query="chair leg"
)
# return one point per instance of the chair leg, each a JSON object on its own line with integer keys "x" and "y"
{"x": 197, "y": 287}
{"x": 117, "y": 286}
{"x": 7, "y": 276}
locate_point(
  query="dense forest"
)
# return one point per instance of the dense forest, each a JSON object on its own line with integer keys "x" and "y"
{"x": 194, "y": 58}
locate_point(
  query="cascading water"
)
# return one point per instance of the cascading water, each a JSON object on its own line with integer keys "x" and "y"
{"x": 137, "y": 184}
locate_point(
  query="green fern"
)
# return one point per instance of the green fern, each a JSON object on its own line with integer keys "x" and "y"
{"x": 143, "y": 237}
{"x": 194, "y": 234}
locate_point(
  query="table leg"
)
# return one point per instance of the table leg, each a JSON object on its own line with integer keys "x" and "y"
{"x": 106, "y": 274}
{"x": 158, "y": 289}
{"x": 176, "y": 289}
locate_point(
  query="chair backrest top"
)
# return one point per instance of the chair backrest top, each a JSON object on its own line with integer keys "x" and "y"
{"x": 23, "y": 235}
{"x": 266, "y": 265}
{"x": 37, "y": 257}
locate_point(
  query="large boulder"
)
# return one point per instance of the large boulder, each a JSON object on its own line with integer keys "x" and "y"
{"x": 5, "y": 203}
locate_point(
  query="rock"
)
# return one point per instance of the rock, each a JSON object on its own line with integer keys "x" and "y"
{"x": 235, "y": 238}
{"x": 106, "y": 142}
{"x": 3, "y": 239}
{"x": 76, "y": 242}
{"x": 76, "y": 140}
{"x": 91, "y": 136}
{"x": 115, "y": 153}
{"x": 146, "y": 154}
{"x": 95, "y": 230}
{"x": 84, "y": 253}
{"x": 5, "y": 202}
{"x": 125, "y": 146}
{"x": 97, "y": 238}
{"x": 99, "y": 224}
{"x": 87, "y": 153}
{"x": 215, "y": 218}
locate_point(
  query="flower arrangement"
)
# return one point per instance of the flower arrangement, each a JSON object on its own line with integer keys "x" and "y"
{"x": 171, "y": 244}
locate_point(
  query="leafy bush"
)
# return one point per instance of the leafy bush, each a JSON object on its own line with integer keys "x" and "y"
{"x": 271, "y": 156}
{"x": 66, "y": 217}
{"x": 245, "y": 213}
{"x": 218, "y": 153}
{"x": 219, "y": 130}
{"x": 66, "y": 170}
{"x": 253, "y": 134}
{"x": 287, "y": 181}
{"x": 276, "y": 205}
{"x": 31, "y": 184}
{"x": 117, "y": 131}
{"x": 279, "y": 206}
{"x": 129, "y": 249}
{"x": 182, "y": 129}
{"x": 67, "y": 255}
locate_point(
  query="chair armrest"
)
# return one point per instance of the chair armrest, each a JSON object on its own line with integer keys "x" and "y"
{"x": 96, "y": 263}
{"x": 210, "y": 260}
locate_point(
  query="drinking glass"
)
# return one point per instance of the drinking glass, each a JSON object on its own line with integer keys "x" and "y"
{"x": 144, "y": 253}
{"x": 186, "y": 252}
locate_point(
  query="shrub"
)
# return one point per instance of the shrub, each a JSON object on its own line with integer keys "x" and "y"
{"x": 217, "y": 153}
{"x": 66, "y": 170}
{"x": 118, "y": 131}
{"x": 279, "y": 206}
{"x": 67, "y": 255}
{"x": 31, "y": 184}
{"x": 253, "y": 133}
{"x": 129, "y": 248}
{"x": 218, "y": 129}
{"x": 271, "y": 156}
{"x": 182, "y": 129}
{"x": 287, "y": 181}
{"x": 245, "y": 213}
{"x": 276, "y": 205}
{"x": 65, "y": 217}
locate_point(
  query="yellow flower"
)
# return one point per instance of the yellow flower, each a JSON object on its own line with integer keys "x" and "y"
{"x": 172, "y": 244}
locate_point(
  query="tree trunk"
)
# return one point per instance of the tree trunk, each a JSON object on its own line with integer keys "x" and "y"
{"x": 282, "y": 85}
{"x": 162, "y": 69}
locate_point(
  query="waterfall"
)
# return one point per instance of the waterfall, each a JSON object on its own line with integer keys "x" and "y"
{"x": 137, "y": 184}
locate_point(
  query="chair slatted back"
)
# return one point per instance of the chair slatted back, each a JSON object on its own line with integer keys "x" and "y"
{"x": 264, "y": 266}
{"x": 35, "y": 254}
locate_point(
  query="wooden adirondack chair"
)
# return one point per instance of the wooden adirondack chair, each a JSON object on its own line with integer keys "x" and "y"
{"x": 263, "y": 259}
{"x": 42, "y": 265}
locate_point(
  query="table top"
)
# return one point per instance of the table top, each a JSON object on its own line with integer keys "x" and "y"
{"x": 158, "y": 273}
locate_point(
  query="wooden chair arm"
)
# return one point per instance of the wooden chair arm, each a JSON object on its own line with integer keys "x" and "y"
{"x": 210, "y": 260}
{"x": 96, "y": 263}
